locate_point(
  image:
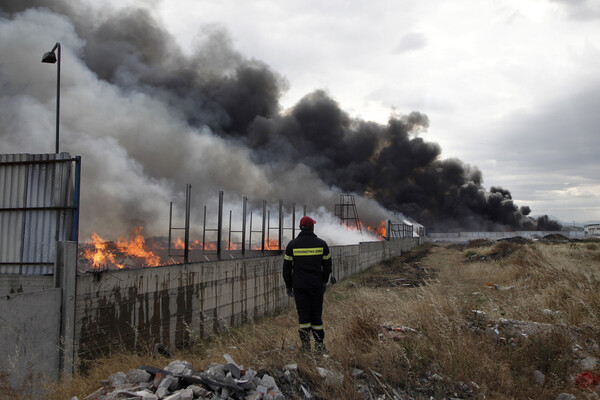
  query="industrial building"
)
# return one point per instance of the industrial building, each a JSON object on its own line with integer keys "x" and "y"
{"x": 592, "y": 230}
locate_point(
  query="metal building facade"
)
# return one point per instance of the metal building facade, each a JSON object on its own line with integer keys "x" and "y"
{"x": 39, "y": 205}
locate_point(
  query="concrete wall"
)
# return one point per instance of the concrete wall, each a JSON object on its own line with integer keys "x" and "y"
{"x": 173, "y": 305}
{"x": 37, "y": 320}
{"x": 11, "y": 284}
{"x": 53, "y": 323}
{"x": 30, "y": 326}
{"x": 466, "y": 236}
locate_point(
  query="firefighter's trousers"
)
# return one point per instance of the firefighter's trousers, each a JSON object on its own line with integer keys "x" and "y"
{"x": 309, "y": 303}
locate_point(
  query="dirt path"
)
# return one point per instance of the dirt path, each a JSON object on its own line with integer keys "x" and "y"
{"x": 441, "y": 256}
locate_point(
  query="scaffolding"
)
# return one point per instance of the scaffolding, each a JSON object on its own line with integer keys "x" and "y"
{"x": 347, "y": 213}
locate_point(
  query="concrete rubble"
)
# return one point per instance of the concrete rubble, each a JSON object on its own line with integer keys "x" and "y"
{"x": 179, "y": 381}
{"x": 229, "y": 381}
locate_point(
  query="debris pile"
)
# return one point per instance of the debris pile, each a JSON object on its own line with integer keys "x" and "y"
{"x": 501, "y": 250}
{"x": 516, "y": 240}
{"x": 229, "y": 381}
{"x": 179, "y": 381}
{"x": 555, "y": 238}
{"x": 479, "y": 243}
{"x": 583, "y": 351}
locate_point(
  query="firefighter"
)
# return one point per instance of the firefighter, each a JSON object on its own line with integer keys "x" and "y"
{"x": 306, "y": 269}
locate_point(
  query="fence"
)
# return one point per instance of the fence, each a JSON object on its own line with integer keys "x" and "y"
{"x": 39, "y": 204}
{"x": 466, "y": 236}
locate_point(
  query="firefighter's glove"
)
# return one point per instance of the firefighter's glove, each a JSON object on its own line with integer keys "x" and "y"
{"x": 332, "y": 280}
{"x": 324, "y": 287}
{"x": 290, "y": 292}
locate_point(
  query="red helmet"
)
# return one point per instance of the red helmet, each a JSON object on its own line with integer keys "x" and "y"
{"x": 307, "y": 222}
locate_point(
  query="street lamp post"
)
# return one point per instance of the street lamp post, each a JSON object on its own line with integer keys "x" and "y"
{"x": 50, "y": 58}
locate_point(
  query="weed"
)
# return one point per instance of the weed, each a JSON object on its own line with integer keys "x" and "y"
{"x": 468, "y": 254}
{"x": 503, "y": 249}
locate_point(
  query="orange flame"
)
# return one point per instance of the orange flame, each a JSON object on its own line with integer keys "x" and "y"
{"x": 381, "y": 230}
{"x": 104, "y": 253}
{"x": 359, "y": 226}
{"x": 179, "y": 244}
{"x": 135, "y": 247}
{"x": 100, "y": 255}
{"x": 271, "y": 244}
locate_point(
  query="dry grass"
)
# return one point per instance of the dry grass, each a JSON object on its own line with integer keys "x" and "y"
{"x": 451, "y": 353}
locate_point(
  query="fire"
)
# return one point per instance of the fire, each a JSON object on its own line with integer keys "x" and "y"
{"x": 135, "y": 248}
{"x": 104, "y": 254}
{"x": 179, "y": 244}
{"x": 356, "y": 227}
{"x": 271, "y": 244}
{"x": 381, "y": 230}
{"x": 100, "y": 255}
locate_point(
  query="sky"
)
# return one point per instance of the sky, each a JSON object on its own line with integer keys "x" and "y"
{"x": 505, "y": 91}
{"x": 510, "y": 86}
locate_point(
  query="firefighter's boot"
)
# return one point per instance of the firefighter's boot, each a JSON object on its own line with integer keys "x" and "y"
{"x": 319, "y": 335}
{"x": 320, "y": 348}
{"x": 305, "y": 338}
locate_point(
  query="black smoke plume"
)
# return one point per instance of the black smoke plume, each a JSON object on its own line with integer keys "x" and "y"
{"x": 237, "y": 99}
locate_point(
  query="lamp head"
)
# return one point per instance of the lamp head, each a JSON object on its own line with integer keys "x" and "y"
{"x": 49, "y": 58}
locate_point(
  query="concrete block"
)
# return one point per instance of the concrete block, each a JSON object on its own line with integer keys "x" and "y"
{"x": 137, "y": 376}
{"x": 117, "y": 379}
{"x": 161, "y": 392}
{"x": 187, "y": 394}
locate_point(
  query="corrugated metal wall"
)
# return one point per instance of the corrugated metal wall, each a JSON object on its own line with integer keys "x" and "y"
{"x": 37, "y": 208}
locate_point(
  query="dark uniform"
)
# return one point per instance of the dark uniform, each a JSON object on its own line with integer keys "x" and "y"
{"x": 306, "y": 270}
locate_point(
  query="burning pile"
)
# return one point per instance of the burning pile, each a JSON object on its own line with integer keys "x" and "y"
{"x": 102, "y": 254}
{"x": 138, "y": 251}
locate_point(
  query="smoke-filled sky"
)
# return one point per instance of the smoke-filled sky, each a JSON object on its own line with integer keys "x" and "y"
{"x": 511, "y": 86}
{"x": 469, "y": 117}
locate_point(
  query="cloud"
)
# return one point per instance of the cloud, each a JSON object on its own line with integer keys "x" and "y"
{"x": 549, "y": 156}
{"x": 561, "y": 137}
{"x": 580, "y": 9}
{"x": 411, "y": 42}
